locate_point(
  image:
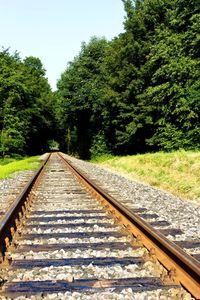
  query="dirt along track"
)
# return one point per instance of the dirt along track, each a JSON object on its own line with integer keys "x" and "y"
{"x": 70, "y": 245}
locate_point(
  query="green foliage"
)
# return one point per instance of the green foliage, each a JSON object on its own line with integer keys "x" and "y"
{"x": 6, "y": 160}
{"x": 26, "y": 114}
{"x": 136, "y": 93}
{"x": 140, "y": 91}
{"x": 53, "y": 145}
{"x": 98, "y": 147}
{"x": 80, "y": 99}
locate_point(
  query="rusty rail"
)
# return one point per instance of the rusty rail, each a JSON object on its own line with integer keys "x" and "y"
{"x": 11, "y": 219}
{"x": 182, "y": 268}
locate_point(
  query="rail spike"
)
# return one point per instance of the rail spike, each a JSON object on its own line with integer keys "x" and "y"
{"x": 150, "y": 255}
{"x": 169, "y": 277}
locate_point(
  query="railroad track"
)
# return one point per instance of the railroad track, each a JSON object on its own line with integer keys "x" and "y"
{"x": 65, "y": 237}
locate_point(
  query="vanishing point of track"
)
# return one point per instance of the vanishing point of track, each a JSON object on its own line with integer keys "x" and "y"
{"x": 62, "y": 212}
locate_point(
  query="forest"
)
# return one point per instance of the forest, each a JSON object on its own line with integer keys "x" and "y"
{"x": 137, "y": 93}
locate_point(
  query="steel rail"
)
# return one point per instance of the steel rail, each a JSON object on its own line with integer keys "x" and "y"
{"x": 8, "y": 221}
{"x": 171, "y": 256}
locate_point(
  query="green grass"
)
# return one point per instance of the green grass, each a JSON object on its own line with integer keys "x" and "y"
{"x": 177, "y": 172}
{"x": 9, "y": 166}
{"x": 5, "y": 161}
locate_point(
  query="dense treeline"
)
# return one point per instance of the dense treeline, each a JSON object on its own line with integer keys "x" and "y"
{"x": 136, "y": 93}
{"x": 139, "y": 92}
{"x": 26, "y": 110}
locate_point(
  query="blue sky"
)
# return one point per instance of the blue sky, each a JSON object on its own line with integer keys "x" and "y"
{"x": 54, "y": 29}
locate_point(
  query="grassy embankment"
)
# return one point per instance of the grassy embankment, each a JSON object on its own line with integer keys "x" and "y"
{"x": 9, "y": 165}
{"x": 177, "y": 172}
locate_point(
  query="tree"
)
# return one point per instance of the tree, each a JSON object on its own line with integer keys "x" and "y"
{"x": 26, "y": 112}
{"x": 80, "y": 98}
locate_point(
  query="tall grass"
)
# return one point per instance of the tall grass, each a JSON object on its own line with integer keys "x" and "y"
{"x": 7, "y": 167}
{"x": 177, "y": 172}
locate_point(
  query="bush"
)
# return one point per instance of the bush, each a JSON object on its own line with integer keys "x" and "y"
{"x": 99, "y": 147}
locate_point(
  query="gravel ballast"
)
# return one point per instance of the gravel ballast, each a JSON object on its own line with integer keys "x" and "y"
{"x": 53, "y": 198}
{"x": 179, "y": 213}
{"x": 12, "y": 186}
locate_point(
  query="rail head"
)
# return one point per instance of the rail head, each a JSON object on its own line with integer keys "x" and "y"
{"x": 167, "y": 252}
